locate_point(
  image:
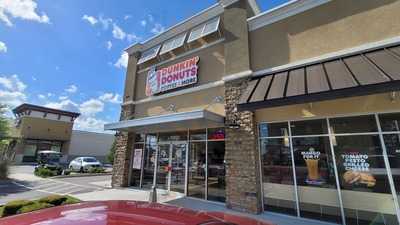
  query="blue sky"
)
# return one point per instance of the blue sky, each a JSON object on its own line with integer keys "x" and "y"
{"x": 67, "y": 53}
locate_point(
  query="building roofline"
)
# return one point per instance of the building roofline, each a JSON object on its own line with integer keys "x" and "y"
{"x": 283, "y": 11}
{"x": 27, "y": 106}
{"x": 187, "y": 24}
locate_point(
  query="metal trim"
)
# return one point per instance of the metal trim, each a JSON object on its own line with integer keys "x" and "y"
{"x": 296, "y": 191}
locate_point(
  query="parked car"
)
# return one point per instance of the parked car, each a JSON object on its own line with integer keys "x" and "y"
{"x": 49, "y": 160}
{"x": 126, "y": 212}
{"x": 83, "y": 164}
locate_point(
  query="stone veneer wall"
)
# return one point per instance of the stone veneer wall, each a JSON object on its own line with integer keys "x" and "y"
{"x": 123, "y": 152}
{"x": 243, "y": 189}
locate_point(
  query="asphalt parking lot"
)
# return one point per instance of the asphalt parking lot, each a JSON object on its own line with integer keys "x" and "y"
{"x": 24, "y": 185}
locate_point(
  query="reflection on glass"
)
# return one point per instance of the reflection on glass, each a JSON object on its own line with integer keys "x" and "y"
{"x": 149, "y": 160}
{"x": 178, "y": 167}
{"x": 390, "y": 121}
{"x": 365, "y": 187}
{"x": 309, "y": 127}
{"x": 139, "y": 138}
{"x": 163, "y": 166}
{"x": 197, "y": 173}
{"x": 273, "y": 129}
{"x": 358, "y": 124}
{"x": 196, "y": 135}
{"x": 277, "y": 176}
{"x": 216, "y": 171}
{"x": 392, "y": 142}
{"x": 316, "y": 179}
{"x": 216, "y": 134}
{"x": 136, "y": 169}
{"x": 173, "y": 136}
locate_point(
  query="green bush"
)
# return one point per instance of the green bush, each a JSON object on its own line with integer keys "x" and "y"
{"x": 11, "y": 208}
{"x": 96, "y": 170}
{"x": 44, "y": 172}
{"x": 33, "y": 207}
{"x": 3, "y": 169}
{"x": 23, "y": 206}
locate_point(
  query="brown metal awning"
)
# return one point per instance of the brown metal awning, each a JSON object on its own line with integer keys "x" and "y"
{"x": 358, "y": 74}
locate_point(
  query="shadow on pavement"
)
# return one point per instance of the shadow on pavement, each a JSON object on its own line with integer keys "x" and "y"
{"x": 8, "y": 187}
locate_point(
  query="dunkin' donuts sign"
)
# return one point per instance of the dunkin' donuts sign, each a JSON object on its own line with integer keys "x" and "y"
{"x": 172, "y": 77}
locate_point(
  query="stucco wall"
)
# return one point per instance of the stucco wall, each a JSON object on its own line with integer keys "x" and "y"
{"x": 85, "y": 143}
{"x": 38, "y": 128}
{"x": 340, "y": 107}
{"x": 337, "y": 25}
{"x": 211, "y": 68}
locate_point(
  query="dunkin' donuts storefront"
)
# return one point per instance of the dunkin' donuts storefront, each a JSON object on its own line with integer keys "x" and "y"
{"x": 295, "y": 110}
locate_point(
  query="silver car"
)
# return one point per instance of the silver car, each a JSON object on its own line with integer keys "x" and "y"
{"x": 83, "y": 164}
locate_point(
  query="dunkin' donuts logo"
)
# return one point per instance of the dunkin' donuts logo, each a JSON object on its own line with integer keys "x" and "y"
{"x": 172, "y": 77}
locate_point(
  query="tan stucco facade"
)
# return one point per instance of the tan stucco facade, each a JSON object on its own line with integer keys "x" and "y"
{"x": 334, "y": 26}
{"x": 379, "y": 103}
{"x": 38, "y": 128}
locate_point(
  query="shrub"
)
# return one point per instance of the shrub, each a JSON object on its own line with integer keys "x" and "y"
{"x": 44, "y": 172}
{"x": 11, "y": 208}
{"x": 53, "y": 199}
{"x": 96, "y": 170}
{"x": 23, "y": 206}
{"x": 70, "y": 200}
{"x": 3, "y": 169}
{"x": 33, "y": 207}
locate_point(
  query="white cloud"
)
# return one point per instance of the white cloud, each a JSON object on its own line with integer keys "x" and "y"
{"x": 72, "y": 89}
{"x": 22, "y": 9}
{"x": 157, "y": 29}
{"x": 109, "y": 45}
{"x": 118, "y": 33}
{"x": 34, "y": 78}
{"x": 92, "y": 20}
{"x": 127, "y": 17}
{"x": 132, "y": 38}
{"x": 150, "y": 18}
{"x": 66, "y": 104}
{"x": 3, "y": 47}
{"x": 49, "y": 94}
{"x": 42, "y": 97}
{"x": 91, "y": 107}
{"x": 143, "y": 23}
{"x": 111, "y": 98}
{"x": 105, "y": 22}
{"x": 122, "y": 61}
{"x": 63, "y": 97}
{"x": 88, "y": 123}
{"x": 12, "y": 91}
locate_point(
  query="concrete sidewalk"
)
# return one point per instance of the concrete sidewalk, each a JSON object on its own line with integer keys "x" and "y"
{"x": 178, "y": 199}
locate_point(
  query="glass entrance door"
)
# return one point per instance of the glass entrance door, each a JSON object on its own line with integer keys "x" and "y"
{"x": 171, "y": 168}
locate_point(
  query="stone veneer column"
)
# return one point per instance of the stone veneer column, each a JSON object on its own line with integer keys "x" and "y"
{"x": 123, "y": 151}
{"x": 243, "y": 188}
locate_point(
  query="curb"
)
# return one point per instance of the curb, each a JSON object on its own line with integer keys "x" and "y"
{"x": 81, "y": 175}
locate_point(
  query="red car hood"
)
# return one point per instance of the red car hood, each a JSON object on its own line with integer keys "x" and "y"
{"x": 125, "y": 213}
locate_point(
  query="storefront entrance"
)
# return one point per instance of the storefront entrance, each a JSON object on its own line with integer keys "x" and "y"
{"x": 171, "y": 166}
{"x": 190, "y": 162}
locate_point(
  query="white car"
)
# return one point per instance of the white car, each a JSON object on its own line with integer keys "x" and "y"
{"x": 83, "y": 164}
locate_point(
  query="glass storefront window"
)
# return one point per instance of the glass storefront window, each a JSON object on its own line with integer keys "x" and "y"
{"x": 139, "y": 138}
{"x": 149, "y": 161}
{"x": 392, "y": 142}
{"x": 309, "y": 127}
{"x": 318, "y": 196}
{"x": 390, "y": 121}
{"x": 277, "y": 174}
{"x": 178, "y": 167}
{"x": 136, "y": 165}
{"x": 197, "y": 170}
{"x": 356, "y": 124}
{"x": 173, "y": 136}
{"x": 198, "y": 135}
{"x": 216, "y": 171}
{"x": 274, "y": 129}
{"x": 366, "y": 193}
{"x": 216, "y": 134}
